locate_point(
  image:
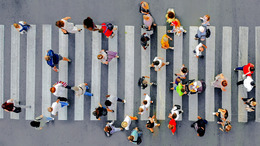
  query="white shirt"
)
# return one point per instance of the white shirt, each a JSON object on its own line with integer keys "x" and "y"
{"x": 148, "y": 98}
{"x": 174, "y": 110}
{"x": 82, "y": 89}
{"x": 198, "y": 53}
{"x": 159, "y": 65}
{"x": 68, "y": 25}
{"x": 128, "y": 120}
{"x": 247, "y": 83}
{"x": 55, "y": 107}
{"x": 21, "y": 22}
{"x": 144, "y": 108}
{"x": 60, "y": 90}
{"x": 104, "y": 59}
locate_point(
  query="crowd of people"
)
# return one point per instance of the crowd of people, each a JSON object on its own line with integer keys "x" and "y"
{"x": 181, "y": 85}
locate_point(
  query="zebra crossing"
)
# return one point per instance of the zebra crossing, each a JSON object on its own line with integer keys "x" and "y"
{"x": 129, "y": 61}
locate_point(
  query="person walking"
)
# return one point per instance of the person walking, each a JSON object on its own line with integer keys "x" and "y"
{"x": 82, "y": 89}
{"x": 144, "y": 8}
{"x": 108, "y": 30}
{"x": 220, "y": 82}
{"x": 158, "y": 63}
{"x": 110, "y": 129}
{"x": 11, "y": 105}
{"x": 201, "y": 34}
{"x": 200, "y": 126}
{"x": 56, "y": 106}
{"x": 181, "y": 89}
{"x": 175, "y": 112}
{"x": 146, "y": 104}
{"x": 250, "y": 104}
{"x": 150, "y": 124}
{"x": 165, "y": 42}
{"x": 89, "y": 24}
{"x": 67, "y": 27}
{"x": 199, "y": 49}
{"x": 100, "y": 111}
{"x": 112, "y": 99}
{"x": 22, "y": 27}
{"x": 54, "y": 59}
{"x": 59, "y": 89}
{"x": 127, "y": 122}
{"x": 170, "y": 15}
{"x": 222, "y": 114}
{"x": 148, "y": 22}
{"x": 40, "y": 122}
{"x": 205, "y": 20}
{"x": 135, "y": 136}
{"x": 183, "y": 72}
{"x": 172, "y": 126}
{"x": 144, "y": 39}
{"x": 143, "y": 83}
{"x": 247, "y": 69}
{"x": 175, "y": 84}
{"x": 248, "y": 83}
{"x": 106, "y": 56}
{"x": 177, "y": 28}
{"x": 225, "y": 126}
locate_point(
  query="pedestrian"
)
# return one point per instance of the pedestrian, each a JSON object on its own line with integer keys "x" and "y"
{"x": 56, "y": 106}
{"x": 205, "y": 20}
{"x": 143, "y": 83}
{"x": 201, "y": 34}
{"x": 222, "y": 114}
{"x": 127, "y": 122}
{"x": 158, "y": 63}
{"x": 135, "y": 136}
{"x": 108, "y": 30}
{"x": 81, "y": 89}
{"x": 170, "y": 15}
{"x": 150, "y": 124}
{"x": 89, "y": 24}
{"x": 225, "y": 125}
{"x": 172, "y": 126}
{"x": 175, "y": 112}
{"x": 40, "y": 122}
{"x": 220, "y": 82}
{"x": 112, "y": 99}
{"x": 248, "y": 83}
{"x": 148, "y": 22}
{"x": 11, "y": 105}
{"x": 199, "y": 49}
{"x": 106, "y": 56}
{"x": 144, "y": 39}
{"x": 250, "y": 104}
{"x": 181, "y": 89}
{"x": 200, "y": 126}
{"x": 175, "y": 84}
{"x": 67, "y": 27}
{"x": 177, "y": 28}
{"x": 165, "y": 42}
{"x": 110, "y": 129}
{"x": 247, "y": 69}
{"x": 59, "y": 89}
{"x": 22, "y": 27}
{"x": 100, "y": 111}
{"x": 146, "y": 104}
{"x": 183, "y": 72}
{"x": 144, "y": 8}
{"x": 54, "y": 59}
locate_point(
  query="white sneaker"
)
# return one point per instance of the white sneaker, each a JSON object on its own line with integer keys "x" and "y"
{"x": 124, "y": 101}
{"x": 214, "y": 113}
{"x": 167, "y": 63}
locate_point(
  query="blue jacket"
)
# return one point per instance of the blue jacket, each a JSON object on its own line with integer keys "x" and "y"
{"x": 54, "y": 58}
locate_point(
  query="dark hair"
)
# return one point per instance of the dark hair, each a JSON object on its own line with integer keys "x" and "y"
{"x": 108, "y": 128}
{"x": 201, "y": 132}
{"x": 184, "y": 69}
{"x": 100, "y": 30}
{"x": 108, "y": 103}
{"x": 182, "y": 90}
{"x": 35, "y": 124}
{"x": 252, "y": 69}
{"x": 171, "y": 15}
{"x": 95, "y": 113}
{"x": 145, "y": 102}
{"x": 88, "y": 22}
{"x": 226, "y": 114}
{"x": 224, "y": 83}
{"x": 156, "y": 62}
{"x": 252, "y": 83}
{"x": 59, "y": 23}
{"x": 174, "y": 115}
{"x": 142, "y": 39}
{"x": 149, "y": 125}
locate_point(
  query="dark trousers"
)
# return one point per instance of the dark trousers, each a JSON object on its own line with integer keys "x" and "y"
{"x": 62, "y": 99}
{"x": 240, "y": 82}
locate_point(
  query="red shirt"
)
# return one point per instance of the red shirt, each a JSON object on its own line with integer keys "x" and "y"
{"x": 246, "y": 69}
{"x": 173, "y": 122}
{"x": 106, "y": 31}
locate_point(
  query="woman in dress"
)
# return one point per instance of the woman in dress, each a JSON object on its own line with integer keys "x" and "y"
{"x": 106, "y": 56}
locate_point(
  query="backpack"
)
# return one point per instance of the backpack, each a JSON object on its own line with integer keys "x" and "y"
{"x": 208, "y": 33}
{"x": 139, "y": 140}
{"x": 17, "y": 109}
{"x": 108, "y": 26}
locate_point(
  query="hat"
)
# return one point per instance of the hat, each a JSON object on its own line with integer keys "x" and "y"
{"x": 124, "y": 124}
{"x": 201, "y": 29}
{"x": 145, "y": 5}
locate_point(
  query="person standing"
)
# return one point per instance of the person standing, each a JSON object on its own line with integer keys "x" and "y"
{"x": 56, "y": 106}
{"x": 199, "y": 49}
{"x": 127, "y": 122}
{"x": 143, "y": 83}
{"x": 158, "y": 63}
{"x": 100, "y": 111}
{"x": 106, "y": 56}
{"x": 135, "y": 136}
{"x": 248, "y": 83}
{"x": 172, "y": 126}
{"x": 81, "y": 89}
{"x": 150, "y": 124}
{"x": 112, "y": 99}
{"x": 205, "y": 20}
{"x": 67, "y": 27}
{"x": 89, "y": 24}
{"x": 247, "y": 69}
{"x": 175, "y": 112}
{"x": 110, "y": 129}
{"x": 200, "y": 126}
{"x": 22, "y": 27}
{"x": 11, "y": 105}
{"x": 59, "y": 89}
{"x": 108, "y": 30}
{"x": 220, "y": 82}
{"x": 53, "y": 59}
{"x": 146, "y": 104}
{"x": 165, "y": 42}
{"x": 40, "y": 122}
{"x": 144, "y": 39}
{"x": 201, "y": 34}
{"x": 250, "y": 104}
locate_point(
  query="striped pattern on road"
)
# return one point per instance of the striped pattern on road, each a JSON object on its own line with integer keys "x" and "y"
{"x": 2, "y": 69}
{"x": 257, "y": 72}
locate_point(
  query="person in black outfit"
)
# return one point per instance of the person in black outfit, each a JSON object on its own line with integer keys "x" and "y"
{"x": 144, "y": 83}
{"x": 151, "y": 123}
{"x": 100, "y": 111}
{"x": 144, "y": 39}
{"x": 200, "y": 126}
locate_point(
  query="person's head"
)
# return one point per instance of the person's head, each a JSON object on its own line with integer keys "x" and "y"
{"x": 145, "y": 5}
{"x": 60, "y": 24}
{"x": 100, "y": 30}
{"x": 226, "y": 114}
{"x": 207, "y": 17}
{"x": 174, "y": 115}
{"x": 184, "y": 70}
{"x": 47, "y": 58}
{"x": 131, "y": 138}
{"x": 107, "y": 129}
{"x": 252, "y": 83}
{"x": 171, "y": 14}
{"x": 3, "y": 106}
{"x": 145, "y": 102}
{"x": 156, "y": 62}
{"x": 252, "y": 69}
{"x": 88, "y": 23}
{"x": 178, "y": 80}
{"x": 35, "y": 124}
{"x": 224, "y": 83}
{"x": 108, "y": 103}
{"x": 146, "y": 17}
{"x": 145, "y": 82}
{"x": 182, "y": 90}
{"x": 201, "y": 49}
{"x": 144, "y": 39}
{"x": 148, "y": 125}
{"x": 201, "y": 29}
{"x": 50, "y": 109}
{"x": 170, "y": 126}
{"x": 165, "y": 39}
{"x": 95, "y": 113}
{"x": 124, "y": 124}
{"x": 52, "y": 89}
{"x": 253, "y": 103}
{"x": 16, "y": 25}
{"x": 228, "y": 128}
{"x": 141, "y": 109}
{"x": 100, "y": 56}
{"x": 200, "y": 132}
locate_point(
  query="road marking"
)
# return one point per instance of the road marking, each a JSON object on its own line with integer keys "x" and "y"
{"x": 79, "y": 72}
{"x": 193, "y": 74}
{"x": 2, "y": 69}
{"x": 210, "y": 75}
{"x": 129, "y": 70}
{"x": 30, "y": 72}
{"x": 257, "y": 71}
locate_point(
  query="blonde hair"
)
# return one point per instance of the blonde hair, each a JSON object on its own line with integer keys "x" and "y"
{"x": 228, "y": 128}
{"x": 145, "y": 5}
{"x": 16, "y": 25}
{"x": 165, "y": 39}
{"x": 124, "y": 124}
{"x": 100, "y": 56}
{"x": 170, "y": 126}
{"x": 254, "y": 103}
{"x": 141, "y": 109}
{"x": 47, "y": 58}
{"x": 50, "y": 109}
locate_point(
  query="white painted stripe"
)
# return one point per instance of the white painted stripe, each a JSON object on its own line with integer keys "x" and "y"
{"x": 209, "y": 76}
{"x": 227, "y": 68}
{"x": 177, "y": 64}
{"x": 161, "y": 77}
{"x": 63, "y": 68}
{"x": 30, "y": 72}
{"x": 79, "y": 72}
{"x": 129, "y": 70}
{"x": 243, "y": 60}
{"x": 112, "y": 75}
{"x": 193, "y": 74}
{"x": 95, "y": 72}
{"x": 15, "y": 68}
{"x": 46, "y": 70}
{"x": 1, "y": 69}
{"x": 145, "y": 71}
{"x": 257, "y": 72}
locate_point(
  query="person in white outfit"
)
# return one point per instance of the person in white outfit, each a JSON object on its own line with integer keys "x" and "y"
{"x": 56, "y": 106}
{"x": 248, "y": 83}
{"x": 81, "y": 89}
{"x": 111, "y": 129}
{"x": 59, "y": 89}
{"x": 199, "y": 49}
{"x": 158, "y": 63}
{"x": 175, "y": 112}
{"x": 146, "y": 104}
{"x": 67, "y": 27}
{"x": 127, "y": 122}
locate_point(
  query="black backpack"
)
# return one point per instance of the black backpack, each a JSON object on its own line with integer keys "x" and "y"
{"x": 139, "y": 140}
{"x": 208, "y": 33}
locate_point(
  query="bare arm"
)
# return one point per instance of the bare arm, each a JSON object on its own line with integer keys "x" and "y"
{"x": 66, "y": 18}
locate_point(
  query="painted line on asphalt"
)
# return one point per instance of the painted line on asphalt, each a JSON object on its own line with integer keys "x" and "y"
{"x": 257, "y": 71}
{"x": 2, "y": 69}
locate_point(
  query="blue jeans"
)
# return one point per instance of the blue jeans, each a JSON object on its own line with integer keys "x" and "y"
{"x": 49, "y": 118}
{"x": 88, "y": 93}
{"x": 240, "y": 68}
{"x": 63, "y": 103}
